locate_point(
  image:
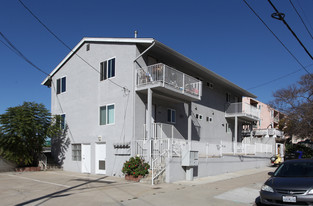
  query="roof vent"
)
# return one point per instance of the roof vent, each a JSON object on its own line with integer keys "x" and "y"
{"x": 136, "y": 32}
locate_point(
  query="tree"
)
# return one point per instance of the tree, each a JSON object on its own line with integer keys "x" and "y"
{"x": 23, "y": 130}
{"x": 296, "y": 102}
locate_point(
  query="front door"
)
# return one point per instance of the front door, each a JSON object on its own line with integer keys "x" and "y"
{"x": 100, "y": 158}
{"x": 86, "y": 163}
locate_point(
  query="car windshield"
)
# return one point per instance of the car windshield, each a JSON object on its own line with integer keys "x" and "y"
{"x": 295, "y": 169}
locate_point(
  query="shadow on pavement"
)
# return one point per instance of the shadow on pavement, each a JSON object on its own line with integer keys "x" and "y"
{"x": 60, "y": 193}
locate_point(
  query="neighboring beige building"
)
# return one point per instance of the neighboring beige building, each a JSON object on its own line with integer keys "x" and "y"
{"x": 268, "y": 123}
{"x": 269, "y": 117}
{"x": 266, "y": 128}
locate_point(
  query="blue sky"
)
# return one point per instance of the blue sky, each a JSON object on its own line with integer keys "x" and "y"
{"x": 224, "y": 36}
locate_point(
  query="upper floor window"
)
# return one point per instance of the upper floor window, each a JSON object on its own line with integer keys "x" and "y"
{"x": 228, "y": 128}
{"x": 171, "y": 116}
{"x": 228, "y": 97}
{"x": 62, "y": 122}
{"x": 107, "y": 69}
{"x": 107, "y": 114}
{"x": 61, "y": 85}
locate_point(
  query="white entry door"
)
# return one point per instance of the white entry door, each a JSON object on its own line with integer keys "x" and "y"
{"x": 100, "y": 158}
{"x": 86, "y": 163}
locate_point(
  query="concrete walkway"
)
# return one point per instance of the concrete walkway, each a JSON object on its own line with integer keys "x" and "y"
{"x": 225, "y": 176}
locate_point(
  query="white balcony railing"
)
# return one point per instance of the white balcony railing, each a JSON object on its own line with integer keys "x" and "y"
{"x": 169, "y": 77}
{"x": 174, "y": 147}
{"x": 241, "y": 108}
{"x": 268, "y": 132}
{"x": 161, "y": 131}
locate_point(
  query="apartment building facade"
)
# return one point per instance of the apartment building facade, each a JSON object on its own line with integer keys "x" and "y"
{"x": 121, "y": 97}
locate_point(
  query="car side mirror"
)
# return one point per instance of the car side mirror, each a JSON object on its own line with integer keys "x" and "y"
{"x": 271, "y": 174}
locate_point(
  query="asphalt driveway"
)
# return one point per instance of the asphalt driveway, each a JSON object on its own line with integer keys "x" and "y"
{"x": 67, "y": 188}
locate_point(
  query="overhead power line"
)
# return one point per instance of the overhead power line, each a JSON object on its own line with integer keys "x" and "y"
{"x": 274, "y": 80}
{"x": 60, "y": 40}
{"x": 19, "y": 53}
{"x": 301, "y": 19}
{"x": 307, "y": 19}
{"x": 281, "y": 17}
{"x": 277, "y": 37}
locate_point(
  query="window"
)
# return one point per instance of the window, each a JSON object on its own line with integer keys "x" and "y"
{"x": 101, "y": 164}
{"x": 228, "y": 128}
{"x": 210, "y": 85}
{"x": 61, "y": 85}
{"x": 199, "y": 116}
{"x": 62, "y": 121}
{"x": 227, "y": 97}
{"x": 107, "y": 69}
{"x": 171, "y": 115}
{"x": 107, "y": 114}
{"x": 76, "y": 152}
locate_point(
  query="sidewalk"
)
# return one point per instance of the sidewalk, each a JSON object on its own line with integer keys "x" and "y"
{"x": 225, "y": 176}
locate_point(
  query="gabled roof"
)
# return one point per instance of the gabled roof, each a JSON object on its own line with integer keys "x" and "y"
{"x": 100, "y": 40}
{"x": 157, "y": 46}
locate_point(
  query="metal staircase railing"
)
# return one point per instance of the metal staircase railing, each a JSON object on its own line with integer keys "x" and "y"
{"x": 43, "y": 161}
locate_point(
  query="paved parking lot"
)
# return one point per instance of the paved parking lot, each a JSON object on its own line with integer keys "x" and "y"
{"x": 66, "y": 188}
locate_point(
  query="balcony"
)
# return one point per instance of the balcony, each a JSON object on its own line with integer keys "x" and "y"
{"x": 243, "y": 110}
{"x": 269, "y": 132}
{"x": 169, "y": 81}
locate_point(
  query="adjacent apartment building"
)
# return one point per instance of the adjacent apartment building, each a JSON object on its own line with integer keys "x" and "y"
{"x": 121, "y": 97}
{"x": 268, "y": 124}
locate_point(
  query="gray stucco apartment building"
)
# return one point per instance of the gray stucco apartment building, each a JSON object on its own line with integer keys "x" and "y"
{"x": 121, "y": 97}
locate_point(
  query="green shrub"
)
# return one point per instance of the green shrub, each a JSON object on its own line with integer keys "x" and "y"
{"x": 136, "y": 166}
{"x": 293, "y": 148}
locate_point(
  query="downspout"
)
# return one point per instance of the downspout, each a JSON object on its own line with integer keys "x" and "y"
{"x": 134, "y": 93}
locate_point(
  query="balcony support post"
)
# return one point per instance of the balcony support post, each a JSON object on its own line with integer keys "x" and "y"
{"x": 148, "y": 123}
{"x": 189, "y": 125}
{"x": 236, "y": 134}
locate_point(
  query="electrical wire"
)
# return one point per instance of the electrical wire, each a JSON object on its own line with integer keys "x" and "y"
{"x": 301, "y": 19}
{"x": 277, "y": 37}
{"x": 126, "y": 91}
{"x": 281, "y": 18}
{"x": 274, "y": 80}
{"x": 306, "y": 18}
{"x": 19, "y": 53}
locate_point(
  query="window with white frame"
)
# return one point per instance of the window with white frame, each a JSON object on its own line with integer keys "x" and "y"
{"x": 107, "y": 69}
{"x": 171, "y": 115}
{"x": 107, "y": 114}
{"x": 76, "y": 152}
{"x": 61, "y": 85}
